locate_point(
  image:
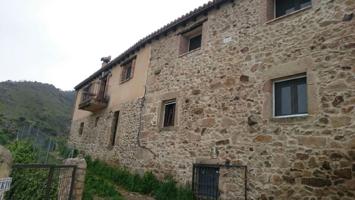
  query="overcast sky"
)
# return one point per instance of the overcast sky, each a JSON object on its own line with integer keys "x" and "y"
{"x": 61, "y": 41}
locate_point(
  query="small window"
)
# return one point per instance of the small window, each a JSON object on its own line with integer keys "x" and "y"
{"x": 195, "y": 42}
{"x": 127, "y": 71}
{"x": 169, "y": 108}
{"x": 114, "y": 127}
{"x": 81, "y": 128}
{"x": 191, "y": 40}
{"x": 97, "y": 121}
{"x": 284, "y": 7}
{"x": 290, "y": 97}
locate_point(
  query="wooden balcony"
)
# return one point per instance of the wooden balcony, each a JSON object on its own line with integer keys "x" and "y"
{"x": 93, "y": 97}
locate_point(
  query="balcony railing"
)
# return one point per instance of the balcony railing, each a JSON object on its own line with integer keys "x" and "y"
{"x": 93, "y": 97}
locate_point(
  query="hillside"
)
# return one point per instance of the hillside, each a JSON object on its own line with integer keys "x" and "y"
{"x": 42, "y": 105}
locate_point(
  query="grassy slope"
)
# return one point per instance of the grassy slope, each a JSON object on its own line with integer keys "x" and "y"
{"x": 42, "y": 104}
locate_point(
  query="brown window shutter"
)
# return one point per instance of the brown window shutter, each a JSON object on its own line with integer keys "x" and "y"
{"x": 133, "y": 67}
{"x": 183, "y": 44}
{"x": 123, "y": 73}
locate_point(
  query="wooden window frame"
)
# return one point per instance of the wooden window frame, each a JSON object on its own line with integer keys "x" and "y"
{"x": 164, "y": 104}
{"x": 130, "y": 64}
{"x": 271, "y": 11}
{"x": 186, "y": 36}
{"x": 274, "y": 96}
{"x": 81, "y": 128}
{"x": 297, "y": 8}
{"x": 97, "y": 121}
{"x": 189, "y": 43}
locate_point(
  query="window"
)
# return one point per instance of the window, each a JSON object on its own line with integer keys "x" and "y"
{"x": 191, "y": 39}
{"x": 284, "y": 7}
{"x": 169, "y": 108}
{"x": 290, "y": 97}
{"x": 195, "y": 42}
{"x": 114, "y": 128}
{"x": 127, "y": 71}
{"x": 205, "y": 181}
{"x": 97, "y": 121}
{"x": 81, "y": 128}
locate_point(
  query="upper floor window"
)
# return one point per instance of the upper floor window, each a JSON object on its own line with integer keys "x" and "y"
{"x": 97, "y": 121}
{"x": 127, "y": 71}
{"x": 290, "y": 97}
{"x": 81, "y": 128}
{"x": 285, "y": 7}
{"x": 169, "y": 108}
{"x": 191, "y": 40}
{"x": 195, "y": 42}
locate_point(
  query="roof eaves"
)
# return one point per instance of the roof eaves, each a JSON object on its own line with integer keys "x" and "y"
{"x": 155, "y": 35}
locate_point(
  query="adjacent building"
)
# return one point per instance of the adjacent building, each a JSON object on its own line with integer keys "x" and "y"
{"x": 244, "y": 99}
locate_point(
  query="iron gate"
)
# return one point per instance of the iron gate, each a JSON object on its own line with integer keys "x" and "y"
{"x": 41, "y": 181}
{"x": 205, "y": 180}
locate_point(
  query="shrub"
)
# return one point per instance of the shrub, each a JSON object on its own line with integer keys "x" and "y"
{"x": 167, "y": 190}
{"x": 96, "y": 186}
{"x": 23, "y": 152}
{"x": 6, "y": 137}
{"x": 147, "y": 184}
{"x": 184, "y": 193}
{"x": 28, "y": 183}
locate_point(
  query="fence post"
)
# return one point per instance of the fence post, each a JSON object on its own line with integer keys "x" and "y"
{"x": 5, "y": 169}
{"x": 71, "y": 182}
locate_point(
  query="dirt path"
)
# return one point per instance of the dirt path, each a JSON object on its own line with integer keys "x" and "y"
{"x": 132, "y": 195}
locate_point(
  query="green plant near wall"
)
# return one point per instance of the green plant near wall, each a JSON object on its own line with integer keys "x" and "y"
{"x": 147, "y": 184}
{"x": 28, "y": 184}
{"x": 99, "y": 187}
{"x": 6, "y": 137}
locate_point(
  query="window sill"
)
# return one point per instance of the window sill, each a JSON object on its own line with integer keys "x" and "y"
{"x": 189, "y": 52}
{"x": 287, "y": 15}
{"x": 170, "y": 128}
{"x": 290, "y": 118}
{"x": 122, "y": 82}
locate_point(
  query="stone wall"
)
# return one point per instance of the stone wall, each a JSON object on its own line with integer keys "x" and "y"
{"x": 65, "y": 179}
{"x": 5, "y": 162}
{"x": 96, "y": 140}
{"x": 223, "y": 94}
{"x": 5, "y": 170}
{"x": 224, "y": 104}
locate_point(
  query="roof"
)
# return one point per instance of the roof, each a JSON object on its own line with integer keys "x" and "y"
{"x": 202, "y": 10}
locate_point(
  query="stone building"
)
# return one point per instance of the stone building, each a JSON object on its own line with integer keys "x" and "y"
{"x": 257, "y": 95}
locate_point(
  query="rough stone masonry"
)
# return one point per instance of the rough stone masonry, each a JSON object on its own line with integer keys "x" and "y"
{"x": 224, "y": 104}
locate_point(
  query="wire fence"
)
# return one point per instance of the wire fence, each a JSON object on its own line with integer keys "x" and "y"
{"x": 51, "y": 149}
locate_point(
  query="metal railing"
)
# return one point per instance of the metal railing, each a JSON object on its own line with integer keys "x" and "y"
{"x": 205, "y": 180}
{"x": 48, "y": 185}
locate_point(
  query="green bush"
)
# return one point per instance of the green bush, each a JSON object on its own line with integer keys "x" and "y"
{"x": 63, "y": 149}
{"x": 147, "y": 184}
{"x": 184, "y": 193}
{"x": 96, "y": 186}
{"x": 5, "y": 137}
{"x": 28, "y": 183}
{"x": 167, "y": 190}
{"x": 23, "y": 152}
